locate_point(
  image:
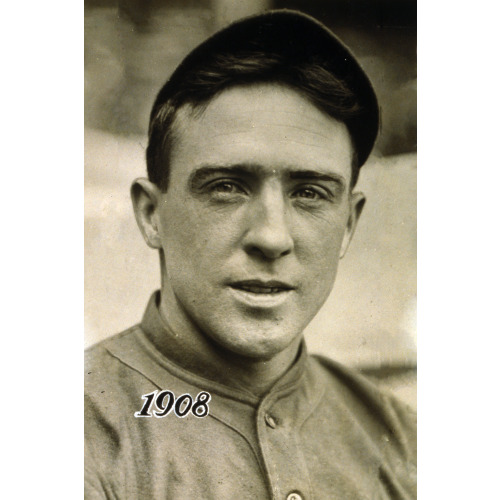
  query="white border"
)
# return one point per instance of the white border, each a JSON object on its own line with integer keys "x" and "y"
{"x": 458, "y": 250}
{"x": 42, "y": 249}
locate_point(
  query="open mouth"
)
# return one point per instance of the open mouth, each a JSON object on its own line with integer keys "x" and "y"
{"x": 262, "y": 287}
{"x": 261, "y": 294}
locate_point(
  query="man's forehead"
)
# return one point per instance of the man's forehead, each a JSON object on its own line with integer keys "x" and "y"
{"x": 267, "y": 125}
{"x": 260, "y": 110}
{"x": 263, "y": 97}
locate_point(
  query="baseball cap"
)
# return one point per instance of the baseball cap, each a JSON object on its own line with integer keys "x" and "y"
{"x": 296, "y": 37}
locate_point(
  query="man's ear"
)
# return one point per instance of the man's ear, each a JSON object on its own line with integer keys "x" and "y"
{"x": 357, "y": 202}
{"x": 146, "y": 198}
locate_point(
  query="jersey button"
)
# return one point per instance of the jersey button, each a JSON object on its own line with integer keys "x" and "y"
{"x": 294, "y": 496}
{"x": 271, "y": 423}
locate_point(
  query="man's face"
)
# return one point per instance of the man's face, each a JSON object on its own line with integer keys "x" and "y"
{"x": 256, "y": 215}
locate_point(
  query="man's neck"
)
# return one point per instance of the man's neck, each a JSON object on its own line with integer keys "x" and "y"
{"x": 188, "y": 346}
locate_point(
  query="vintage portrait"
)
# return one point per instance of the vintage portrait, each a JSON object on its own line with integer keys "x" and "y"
{"x": 250, "y": 249}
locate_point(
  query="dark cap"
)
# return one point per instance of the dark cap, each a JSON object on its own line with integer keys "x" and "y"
{"x": 296, "y": 37}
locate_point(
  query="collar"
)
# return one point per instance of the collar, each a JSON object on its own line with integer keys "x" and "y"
{"x": 167, "y": 347}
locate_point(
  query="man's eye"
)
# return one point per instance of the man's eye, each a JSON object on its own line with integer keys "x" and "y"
{"x": 308, "y": 193}
{"x": 225, "y": 187}
{"x": 221, "y": 188}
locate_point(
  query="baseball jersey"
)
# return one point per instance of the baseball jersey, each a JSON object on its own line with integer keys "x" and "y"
{"x": 157, "y": 427}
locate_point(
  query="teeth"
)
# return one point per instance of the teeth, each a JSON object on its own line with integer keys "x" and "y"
{"x": 260, "y": 289}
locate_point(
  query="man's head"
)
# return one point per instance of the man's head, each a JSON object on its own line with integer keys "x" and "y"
{"x": 259, "y": 206}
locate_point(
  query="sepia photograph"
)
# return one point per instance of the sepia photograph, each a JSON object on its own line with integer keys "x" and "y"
{"x": 250, "y": 249}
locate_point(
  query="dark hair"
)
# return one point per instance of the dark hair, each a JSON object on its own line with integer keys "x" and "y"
{"x": 311, "y": 79}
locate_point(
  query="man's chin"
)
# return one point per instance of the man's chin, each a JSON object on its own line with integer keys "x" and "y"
{"x": 261, "y": 344}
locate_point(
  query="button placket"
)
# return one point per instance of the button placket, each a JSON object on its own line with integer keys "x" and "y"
{"x": 287, "y": 475}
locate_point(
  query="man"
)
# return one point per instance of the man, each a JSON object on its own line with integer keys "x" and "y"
{"x": 255, "y": 144}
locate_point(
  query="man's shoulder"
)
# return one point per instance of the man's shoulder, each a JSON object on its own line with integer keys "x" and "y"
{"x": 101, "y": 358}
{"x": 366, "y": 399}
{"x": 372, "y": 419}
{"x": 107, "y": 377}
{"x": 119, "y": 368}
{"x": 122, "y": 368}
{"x": 356, "y": 378}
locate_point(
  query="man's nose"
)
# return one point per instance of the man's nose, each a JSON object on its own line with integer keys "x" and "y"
{"x": 268, "y": 233}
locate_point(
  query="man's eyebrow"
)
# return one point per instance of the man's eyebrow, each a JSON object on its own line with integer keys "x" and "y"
{"x": 319, "y": 176}
{"x": 200, "y": 174}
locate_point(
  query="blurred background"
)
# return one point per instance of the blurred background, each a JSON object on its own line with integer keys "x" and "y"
{"x": 131, "y": 48}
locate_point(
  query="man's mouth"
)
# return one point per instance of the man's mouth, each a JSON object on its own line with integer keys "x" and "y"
{"x": 258, "y": 286}
{"x": 261, "y": 294}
